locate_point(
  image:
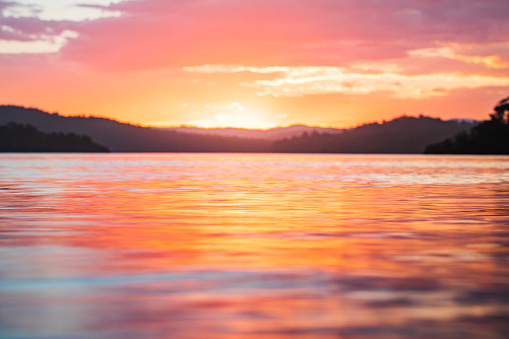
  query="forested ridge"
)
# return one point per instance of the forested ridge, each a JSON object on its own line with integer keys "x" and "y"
{"x": 488, "y": 137}
{"x": 15, "y": 137}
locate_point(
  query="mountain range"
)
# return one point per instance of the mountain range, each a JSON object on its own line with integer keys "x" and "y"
{"x": 404, "y": 134}
{"x": 401, "y": 135}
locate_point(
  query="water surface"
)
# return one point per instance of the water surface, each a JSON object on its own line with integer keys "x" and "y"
{"x": 253, "y": 246}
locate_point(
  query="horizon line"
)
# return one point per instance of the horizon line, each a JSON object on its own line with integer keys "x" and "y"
{"x": 185, "y": 125}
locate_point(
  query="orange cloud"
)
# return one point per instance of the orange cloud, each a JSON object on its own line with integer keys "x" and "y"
{"x": 491, "y": 61}
{"x": 306, "y": 80}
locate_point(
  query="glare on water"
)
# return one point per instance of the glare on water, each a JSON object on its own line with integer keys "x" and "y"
{"x": 253, "y": 245}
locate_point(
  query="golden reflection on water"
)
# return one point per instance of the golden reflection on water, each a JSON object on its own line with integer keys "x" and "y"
{"x": 245, "y": 246}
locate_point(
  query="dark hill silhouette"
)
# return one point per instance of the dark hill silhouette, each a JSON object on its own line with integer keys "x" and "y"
{"x": 122, "y": 137}
{"x": 401, "y": 135}
{"x": 16, "y": 137}
{"x": 489, "y": 137}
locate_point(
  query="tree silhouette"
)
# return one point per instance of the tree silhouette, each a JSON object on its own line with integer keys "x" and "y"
{"x": 500, "y": 109}
{"x": 489, "y": 137}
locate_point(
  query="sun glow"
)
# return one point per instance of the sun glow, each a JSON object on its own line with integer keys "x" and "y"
{"x": 240, "y": 119}
{"x": 232, "y": 115}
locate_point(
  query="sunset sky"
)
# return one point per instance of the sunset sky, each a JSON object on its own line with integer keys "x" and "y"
{"x": 255, "y": 63}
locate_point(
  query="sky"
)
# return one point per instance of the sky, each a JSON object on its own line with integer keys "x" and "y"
{"x": 255, "y": 63}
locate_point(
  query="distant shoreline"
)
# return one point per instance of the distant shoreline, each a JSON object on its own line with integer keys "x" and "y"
{"x": 403, "y": 135}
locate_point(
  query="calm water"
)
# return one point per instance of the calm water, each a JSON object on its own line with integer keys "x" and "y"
{"x": 253, "y": 246}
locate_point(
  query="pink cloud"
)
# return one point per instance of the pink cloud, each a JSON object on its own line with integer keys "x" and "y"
{"x": 29, "y": 28}
{"x": 155, "y": 34}
{"x": 186, "y": 33}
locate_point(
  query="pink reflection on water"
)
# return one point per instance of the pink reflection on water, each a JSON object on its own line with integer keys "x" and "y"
{"x": 240, "y": 246}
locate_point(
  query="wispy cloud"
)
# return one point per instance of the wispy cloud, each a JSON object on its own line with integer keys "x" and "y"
{"x": 40, "y": 44}
{"x": 59, "y": 10}
{"x": 39, "y": 26}
{"x": 299, "y": 81}
{"x": 490, "y": 61}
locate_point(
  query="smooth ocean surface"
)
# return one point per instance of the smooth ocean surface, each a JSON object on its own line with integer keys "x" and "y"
{"x": 253, "y": 246}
